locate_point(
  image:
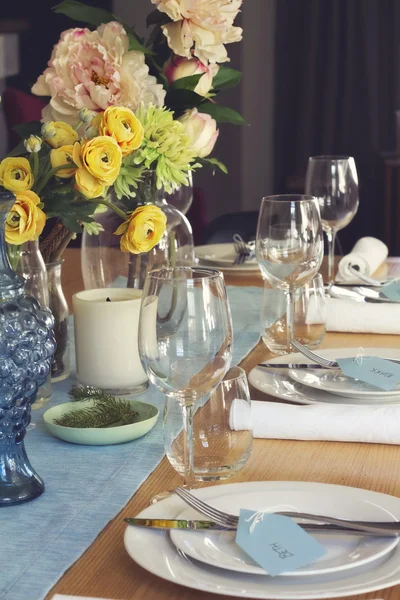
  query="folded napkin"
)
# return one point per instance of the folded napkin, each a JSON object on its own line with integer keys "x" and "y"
{"x": 355, "y": 317}
{"x": 337, "y": 423}
{"x": 367, "y": 255}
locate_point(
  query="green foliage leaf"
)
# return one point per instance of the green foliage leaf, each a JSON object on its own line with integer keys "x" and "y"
{"x": 222, "y": 114}
{"x": 18, "y": 150}
{"x": 186, "y": 83}
{"x": 69, "y": 208}
{"x": 179, "y": 100}
{"x": 226, "y": 78}
{"x": 82, "y": 12}
{"x": 213, "y": 161}
{"x": 24, "y": 130}
{"x": 96, "y": 16}
{"x": 156, "y": 17}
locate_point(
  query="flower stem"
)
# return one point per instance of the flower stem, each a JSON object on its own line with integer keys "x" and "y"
{"x": 49, "y": 175}
{"x": 117, "y": 210}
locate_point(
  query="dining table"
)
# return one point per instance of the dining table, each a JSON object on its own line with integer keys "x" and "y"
{"x": 106, "y": 571}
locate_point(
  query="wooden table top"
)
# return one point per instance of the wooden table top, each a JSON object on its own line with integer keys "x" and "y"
{"x": 105, "y": 569}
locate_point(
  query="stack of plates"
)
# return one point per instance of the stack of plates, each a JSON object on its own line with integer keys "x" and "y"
{"x": 320, "y": 386}
{"x": 211, "y": 561}
{"x": 223, "y": 256}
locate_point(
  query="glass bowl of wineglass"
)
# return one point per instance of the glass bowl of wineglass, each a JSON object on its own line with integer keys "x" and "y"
{"x": 289, "y": 246}
{"x": 334, "y": 181}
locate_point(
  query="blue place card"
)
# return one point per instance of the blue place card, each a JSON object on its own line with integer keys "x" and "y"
{"x": 392, "y": 290}
{"x": 275, "y": 542}
{"x": 380, "y": 372}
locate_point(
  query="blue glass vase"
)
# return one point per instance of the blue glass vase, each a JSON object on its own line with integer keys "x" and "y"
{"x": 26, "y": 347}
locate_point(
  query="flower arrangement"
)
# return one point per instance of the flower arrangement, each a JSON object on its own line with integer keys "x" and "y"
{"x": 120, "y": 107}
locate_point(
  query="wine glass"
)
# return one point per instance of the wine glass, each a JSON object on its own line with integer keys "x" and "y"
{"x": 185, "y": 340}
{"x": 333, "y": 180}
{"x": 289, "y": 246}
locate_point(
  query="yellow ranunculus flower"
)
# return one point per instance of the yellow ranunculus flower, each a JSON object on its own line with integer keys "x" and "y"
{"x": 16, "y": 174}
{"x": 63, "y": 156}
{"x": 25, "y": 221}
{"x": 87, "y": 185}
{"x": 121, "y": 124}
{"x": 102, "y": 157}
{"x": 59, "y": 134}
{"x": 143, "y": 230}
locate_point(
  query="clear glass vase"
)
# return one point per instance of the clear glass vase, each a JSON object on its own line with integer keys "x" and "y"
{"x": 26, "y": 348}
{"x": 61, "y": 363}
{"x": 30, "y": 265}
{"x": 103, "y": 263}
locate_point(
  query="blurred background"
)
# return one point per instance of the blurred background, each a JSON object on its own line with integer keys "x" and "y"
{"x": 319, "y": 77}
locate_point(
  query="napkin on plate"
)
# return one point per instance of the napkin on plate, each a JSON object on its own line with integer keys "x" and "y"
{"x": 368, "y": 254}
{"x": 337, "y": 423}
{"x": 356, "y": 317}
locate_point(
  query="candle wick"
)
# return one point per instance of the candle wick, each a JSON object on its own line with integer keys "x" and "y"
{"x": 108, "y": 300}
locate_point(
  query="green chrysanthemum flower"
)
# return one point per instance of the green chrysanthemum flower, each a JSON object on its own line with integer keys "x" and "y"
{"x": 129, "y": 178}
{"x": 165, "y": 148}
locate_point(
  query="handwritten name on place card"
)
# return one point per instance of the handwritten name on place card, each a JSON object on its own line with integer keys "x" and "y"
{"x": 275, "y": 542}
{"x": 380, "y": 372}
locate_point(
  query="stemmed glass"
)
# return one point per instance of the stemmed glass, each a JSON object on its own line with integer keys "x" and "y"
{"x": 333, "y": 180}
{"x": 185, "y": 340}
{"x": 289, "y": 246}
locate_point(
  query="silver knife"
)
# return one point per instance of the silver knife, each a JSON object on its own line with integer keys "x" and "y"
{"x": 308, "y": 365}
{"x": 195, "y": 525}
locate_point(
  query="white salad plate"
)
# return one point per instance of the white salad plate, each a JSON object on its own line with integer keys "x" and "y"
{"x": 342, "y": 551}
{"x": 154, "y": 551}
{"x": 334, "y": 382}
{"x": 280, "y": 385}
{"x": 223, "y": 256}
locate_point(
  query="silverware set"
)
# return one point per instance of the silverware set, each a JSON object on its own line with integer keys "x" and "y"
{"x": 222, "y": 521}
{"x": 244, "y": 251}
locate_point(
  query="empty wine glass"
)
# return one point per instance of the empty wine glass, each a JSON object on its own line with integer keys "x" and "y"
{"x": 185, "y": 340}
{"x": 333, "y": 180}
{"x": 289, "y": 246}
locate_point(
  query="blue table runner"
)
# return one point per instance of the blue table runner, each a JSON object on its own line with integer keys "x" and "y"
{"x": 86, "y": 486}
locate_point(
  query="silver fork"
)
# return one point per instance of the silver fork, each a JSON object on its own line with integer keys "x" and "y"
{"x": 228, "y": 520}
{"x": 369, "y": 280}
{"x": 312, "y": 356}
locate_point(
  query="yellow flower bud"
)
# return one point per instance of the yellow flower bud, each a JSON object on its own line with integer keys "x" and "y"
{"x": 121, "y": 124}
{"x": 102, "y": 157}
{"x": 87, "y": 185}
{"x": 25, "y": 221}
{"x": 63, "y": 156}
{"x": 143, "y": 230}
{"x": 16, "y": 174}
{"x": 58, "y": 133}
{"x": 33, "y": 143}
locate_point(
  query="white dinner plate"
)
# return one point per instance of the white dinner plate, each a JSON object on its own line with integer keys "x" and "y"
{"x": 223, "y": 257}
{"x": 217, "y": 548}
{"x": 334, "y": 382}
{"x": 154, "y": 551}
{"x": 279, "y": 385}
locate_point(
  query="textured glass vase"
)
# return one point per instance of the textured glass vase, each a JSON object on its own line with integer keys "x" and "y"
{"x": 26, "y": 348}
{"x": 30, "y": 265}
{"x": 103, "y": 263}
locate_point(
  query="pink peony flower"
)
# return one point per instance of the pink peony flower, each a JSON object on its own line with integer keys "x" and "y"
{"x": 201, "y": 27}
{"x": 202, "y": 131}
{"x": 178, "y": 67}
{"x": 94, "y": 70}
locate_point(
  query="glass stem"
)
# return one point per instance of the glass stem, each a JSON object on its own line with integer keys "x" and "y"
{"x": 331, "y": 236}
{"x": 188, "y": 413}
{"x": 289, "y": 317}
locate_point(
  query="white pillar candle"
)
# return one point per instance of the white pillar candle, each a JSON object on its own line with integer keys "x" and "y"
{"x": 106, "y": 339}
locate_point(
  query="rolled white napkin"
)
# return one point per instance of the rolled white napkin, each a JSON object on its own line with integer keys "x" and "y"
{"x": 355, "y": 317}
{"x": 367, "y": 255}
{"x": 337, "y": 423}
